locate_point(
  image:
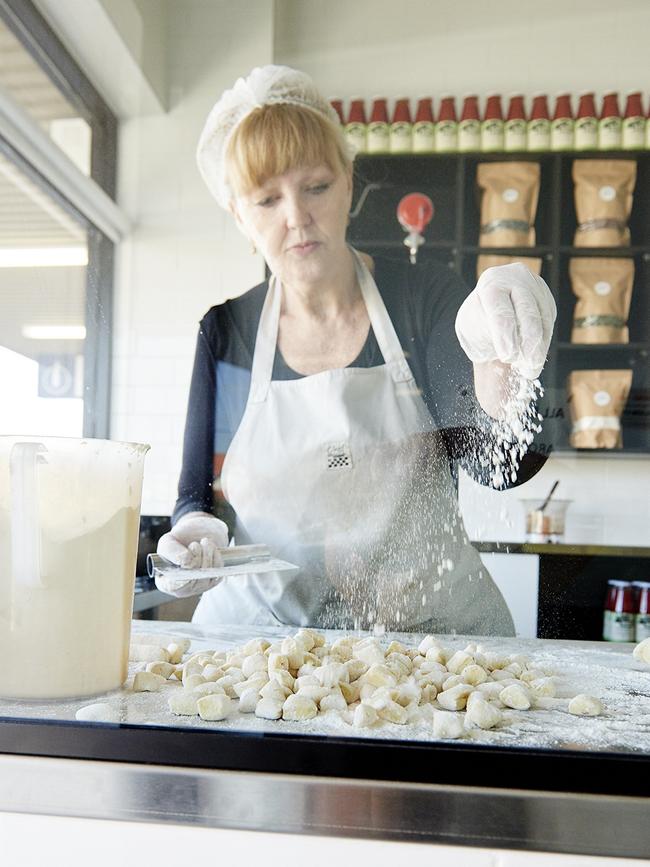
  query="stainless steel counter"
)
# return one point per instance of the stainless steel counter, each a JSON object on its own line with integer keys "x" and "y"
{"x": 565, "y": 550}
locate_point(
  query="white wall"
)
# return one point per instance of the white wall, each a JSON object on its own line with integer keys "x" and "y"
{"x": 418, "y": 47}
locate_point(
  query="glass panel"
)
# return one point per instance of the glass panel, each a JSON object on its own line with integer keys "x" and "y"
{"x": 43, "y": 257}
{"x": 23, "y": 79}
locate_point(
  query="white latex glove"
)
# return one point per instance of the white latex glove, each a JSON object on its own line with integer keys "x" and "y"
{"x": 193, "y": 543}
{"x": 509, "y": 317}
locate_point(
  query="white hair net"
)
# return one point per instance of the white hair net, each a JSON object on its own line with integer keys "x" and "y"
{"x": 265, "y": 85}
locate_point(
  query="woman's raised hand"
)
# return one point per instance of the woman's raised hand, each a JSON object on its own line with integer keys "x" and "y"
{"x": 508, "y": 317}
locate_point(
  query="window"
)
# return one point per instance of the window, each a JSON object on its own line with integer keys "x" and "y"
{"x": 58, "y": 224}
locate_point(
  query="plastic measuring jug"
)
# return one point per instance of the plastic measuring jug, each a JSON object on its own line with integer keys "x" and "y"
{"x": 69, "y": 516}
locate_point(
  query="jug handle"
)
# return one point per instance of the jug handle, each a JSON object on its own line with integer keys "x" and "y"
{"x": 25, "y": 525}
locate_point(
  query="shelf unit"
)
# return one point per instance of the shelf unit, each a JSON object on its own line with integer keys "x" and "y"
{"x": 452, "y": 239}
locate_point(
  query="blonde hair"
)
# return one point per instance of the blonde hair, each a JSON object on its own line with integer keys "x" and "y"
{"x": 273, "y": 139}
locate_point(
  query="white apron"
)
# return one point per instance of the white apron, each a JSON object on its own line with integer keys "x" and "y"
{"x": 343, "y": 474}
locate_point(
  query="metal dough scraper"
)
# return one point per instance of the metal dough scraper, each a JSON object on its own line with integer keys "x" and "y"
{"x": 237, "y": 560}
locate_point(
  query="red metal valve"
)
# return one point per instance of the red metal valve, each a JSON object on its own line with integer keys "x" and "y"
{"x": 414, "y": 212}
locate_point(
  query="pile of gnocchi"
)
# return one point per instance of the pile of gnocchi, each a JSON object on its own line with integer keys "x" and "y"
{"x": 301, "y": 676}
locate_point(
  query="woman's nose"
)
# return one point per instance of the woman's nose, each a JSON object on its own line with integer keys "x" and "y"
{"x": 297, "y": 213}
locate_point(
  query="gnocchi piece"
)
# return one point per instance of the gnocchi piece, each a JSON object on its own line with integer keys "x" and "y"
{"x": 294, "y": 652}
{"x": 252, "y": 663}
{"x": 393, "y": 712}
{"x": 454, "y": 698}
{"x": 298, "y": 707}
{"x": 315, "y": 693}
{"x": 212, "y": 671}
{"x": 275, "y": 691}
{"x": 427, "y": 642}
{"x": 531, "y": 674}
{"x": 490, "y": 689}
{"x": 227, "y": 684}
{"x": 331, "y": 674}
{"x": 277, "y": 661}
{"x": 192, "y": 681}
{"x": 254, "y": 682}
{"x": 585, "y": 705}
{"x": 371, "y": 654}
{"x": 214, "y": 707}
{"x": 183, "y": 704}
{"x": 304, "y": 637}
{"x": 255, "y": 646}
{"x": 642, "y": 651}
{"x": 284, "y": 678}
{"x": 459, "y": 661}
{"x": 356, "y": 667}
{"x": 147, "y": 681}
{"x": 164, "y": 669}
{"x": 474, "y": 675}
{"x": 451, "y": 681}
{"x": 379, "y": 675}
{"x": 176, "y": 652}
{"x": 269, "y": 708}
{"x": 333, "y": 701}
{"x": 482, "y": 714}
{"x": 543, "y": 687}
{"x": 209, "y": 688}
{"x": 364, "y": 716}
{"x": 248, "y": 700}
{"x": 351, "y": 692}
{"x": 515, "y": 696}
{"x": 147, "y": 653}
{"x": 447, "y": 726}
{"x": 436, "y": 654}
{"x": 99, "y": 711}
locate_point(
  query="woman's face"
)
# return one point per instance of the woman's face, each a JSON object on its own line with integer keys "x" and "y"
{"x": 298, "y": 222}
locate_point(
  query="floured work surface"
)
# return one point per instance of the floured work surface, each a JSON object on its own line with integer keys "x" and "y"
{"x": 605, "y": 671}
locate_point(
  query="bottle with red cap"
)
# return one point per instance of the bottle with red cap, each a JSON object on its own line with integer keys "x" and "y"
{"x": 447, "y": 126}
{"x": 539, "y": 125}
{"x": 492, "y": 125}
{"x": 619, "y": 613}
{"x": 424, "y": 130}
{"x": 562, "y": 124}
{"x": 337, "y": 105}
{"x": 610, "y": 125}
{"x": 378, "y": 135}
{"x": 634, "y": 123}
{"x": 469, "y": 128}
{"x": 356, "y": 127}
{"x": 642, "y": 616}
{"x": 401, "y": 128}
{"x": 514, "y": 131}
{"x": 586, "y": 125}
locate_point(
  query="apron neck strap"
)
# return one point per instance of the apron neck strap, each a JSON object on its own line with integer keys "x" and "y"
{"x": 267, "y": 333}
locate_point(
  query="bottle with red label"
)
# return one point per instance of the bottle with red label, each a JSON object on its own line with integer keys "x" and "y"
{"x": 356, "y": 127}
{"x": 610, "y": 125}
{"x": 539, "y": 125}
{"x": 424, "y": 129}
{"x": 401, "y": 128}
{"x": 634, "y": 123}
{"x": 378, "y": 135}
{"x": 447, "y": 126}
{"x": 337, "y": 105}
{"x": 514, "y": 132}
{"x": 642, "y": 616}
{"x": 586, "y": 125}
{"x": 469, "y": 128}
{"x": 492, "y": 126}
{"x": 562, "y": 124}
{"x": 620, "y": 612}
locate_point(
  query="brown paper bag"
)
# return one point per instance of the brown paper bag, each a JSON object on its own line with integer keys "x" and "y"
{"x": 603, "y": 197}
{"x": 603, "y": 288}
{"x": 487, "y": 261}
{"x": 509, "y": 193}
{"x": 596, "y": 402}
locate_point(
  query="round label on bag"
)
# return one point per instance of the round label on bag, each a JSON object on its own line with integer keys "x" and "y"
{"x": 510, "y": 195}
{"x": 607, "y": 193}
{"x": 602, "y": 288}
{"x": 602, "y": 398}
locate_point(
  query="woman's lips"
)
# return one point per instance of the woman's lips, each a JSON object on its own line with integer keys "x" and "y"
{"x": 304, "y": 249}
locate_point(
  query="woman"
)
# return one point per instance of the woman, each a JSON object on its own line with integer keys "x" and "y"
{"x": 340, "y": 394}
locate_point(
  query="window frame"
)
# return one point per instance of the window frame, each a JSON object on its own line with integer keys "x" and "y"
{"x": 28, "y": 25}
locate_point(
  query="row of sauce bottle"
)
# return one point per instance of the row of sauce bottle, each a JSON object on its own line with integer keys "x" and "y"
{"x": 627, "y": 611}
{"x": 493, "y": 132}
